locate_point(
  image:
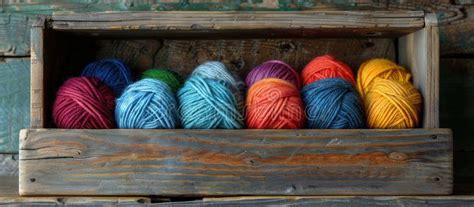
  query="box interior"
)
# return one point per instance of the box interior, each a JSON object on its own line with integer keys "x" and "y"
{"x": 67, "y": 53}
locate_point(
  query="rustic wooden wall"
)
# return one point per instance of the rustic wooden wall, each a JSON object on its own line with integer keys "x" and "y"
{"x": 457, "y": 59}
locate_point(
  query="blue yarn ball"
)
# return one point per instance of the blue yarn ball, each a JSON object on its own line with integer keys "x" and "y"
{"x": 332, "y": 104}
{"x": 113, "y": 72}
{"x": 147, "y": 104}
{"x": 208, "y": 104}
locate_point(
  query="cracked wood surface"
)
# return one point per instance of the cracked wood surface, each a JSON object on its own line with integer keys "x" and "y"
{"x": 235, "y": 162}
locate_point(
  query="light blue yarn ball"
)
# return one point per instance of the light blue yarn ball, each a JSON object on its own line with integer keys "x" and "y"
{"x": 218, "y": 71}
{"x": 332, "y": 103}
{"x": 208, "y": 104}
{"x": 147, "y": 104}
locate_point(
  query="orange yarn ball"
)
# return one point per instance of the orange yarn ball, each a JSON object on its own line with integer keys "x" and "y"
{"x": 274, "y": 104}
{"x": 326, "y": 67}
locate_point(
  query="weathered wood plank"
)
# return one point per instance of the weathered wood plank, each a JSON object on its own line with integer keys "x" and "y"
{"x": 14, "y": 101}
{"x": 9, "y": 164}
{"x": 457, "y": 32}
{"x": 419, "y": 52}
{"x": 333, "y": 201}
{"x": 456, "y": 27}
{"x": 235, "y": 162}
{"x": 322, "y": 201}
{"x": 276, "y": 24}
{"x": 8, "y": 185}
{"x": 73, "y": 201}
{"x": 14, "y": 34}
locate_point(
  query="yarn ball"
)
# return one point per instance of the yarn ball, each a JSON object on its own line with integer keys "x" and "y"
{"x": 326, "y": 67}
{"x": 379, "y": 68}
{"x": 206, "y": 103}
{"x": 147, "y": 104}
{"x": 84, "y": 103}
{"x": 168, "y": 77}
{"x": 113, "y": 72}
{"x": 332, "y": 103}
{"x": 391, "y": 104}
{"x": 273, "y": 69}
{"x": 218, "y": 71}
{"x": 274, "y": 104}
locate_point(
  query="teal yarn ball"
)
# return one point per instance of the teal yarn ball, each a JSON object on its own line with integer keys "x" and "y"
{"x": 147, "y": 104}
{"x": 206, "y": 103}
{"x": 164, "y": 75}
{"x": 218, "y": 71}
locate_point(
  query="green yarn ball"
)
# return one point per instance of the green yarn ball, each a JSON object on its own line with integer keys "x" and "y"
{"x": 164, "y": 75}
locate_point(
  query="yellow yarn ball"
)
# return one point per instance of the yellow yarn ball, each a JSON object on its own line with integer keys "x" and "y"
{"x": 392, "y": 104}
{"x": 379, "y": 68}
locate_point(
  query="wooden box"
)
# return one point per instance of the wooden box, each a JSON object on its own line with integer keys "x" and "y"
{"x": 183, "y": 162}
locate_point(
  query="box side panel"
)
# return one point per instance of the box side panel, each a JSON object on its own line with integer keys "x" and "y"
{"x": 419, "y": 52}
{"x": 37, "y": 74}
{"x": 236, "y": 162}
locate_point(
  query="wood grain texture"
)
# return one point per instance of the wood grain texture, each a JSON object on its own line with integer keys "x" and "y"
{"x": 235, "y": 162}
{"x": 8, "y": 185}
{"x": 38, "y": 35}
{"x": 240, "y": 55}
{"x": 303, "y": 201}
{"x": 14, "y": 38}
{"x": 16, "y": 18}
{"x": 419, "y": 52}
{"x": 73, "y": 201}
{"x": 229, "y": 23}
{"x": 333, "y": 201}
{"x": 457, "y": 32}
{"x": 456, "y": 28}
{"x": 9, "y": 164}
{"x": 14, "y": 104}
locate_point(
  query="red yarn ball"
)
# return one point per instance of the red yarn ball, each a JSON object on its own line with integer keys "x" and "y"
{"x": 84, "y": 103}
{"x": 326, "y": 67}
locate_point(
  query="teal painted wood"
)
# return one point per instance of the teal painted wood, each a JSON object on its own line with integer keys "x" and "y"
{"x": 14, "y": 34}
{"x": 14, "y": 101}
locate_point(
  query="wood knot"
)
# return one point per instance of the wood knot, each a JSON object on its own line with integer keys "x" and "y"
{"x": 400, "y": 156}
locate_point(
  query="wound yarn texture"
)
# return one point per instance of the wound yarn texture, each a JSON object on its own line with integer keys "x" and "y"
{"x": 84, "y": 103}
{"x": 147, "y": 104}
{"x": 209, "y": 99}
{"x": 274, "y": 104}
{"x": 390, "y": 99}
{"x": 332, "y": 103}
{"x": 218, "y": 71}
{"x": 113, "y": 72}
{"x": 168, "y": 77}
{"x": 326, "y": 66}
{"x": 273, "y": 69}
{"x": 379, "y": 68}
